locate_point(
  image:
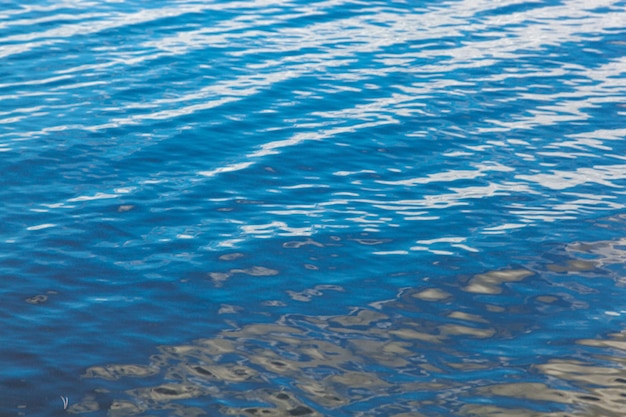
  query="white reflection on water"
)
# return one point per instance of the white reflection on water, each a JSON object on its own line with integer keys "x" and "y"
{"x": 598, "y": 174}
{"x": 268, "y": 50}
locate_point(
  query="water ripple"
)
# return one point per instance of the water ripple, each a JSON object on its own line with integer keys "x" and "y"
{"x": 328, "y": 207}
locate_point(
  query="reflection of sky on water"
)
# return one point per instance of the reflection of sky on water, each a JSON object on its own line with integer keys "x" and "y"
{"x": 455, "y": 67}
{"x": 481, "y": 346}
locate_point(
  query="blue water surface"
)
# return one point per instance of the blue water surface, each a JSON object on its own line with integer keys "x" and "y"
{"x": 313, "y": 208}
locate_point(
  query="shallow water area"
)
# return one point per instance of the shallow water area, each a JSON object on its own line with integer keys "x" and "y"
{"x": 313, "y": 208}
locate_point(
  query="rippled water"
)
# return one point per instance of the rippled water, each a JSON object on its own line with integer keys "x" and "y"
{"x": 327, "y": 208}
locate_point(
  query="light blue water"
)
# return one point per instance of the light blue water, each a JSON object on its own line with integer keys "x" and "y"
{"x": 327, "y": 208}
